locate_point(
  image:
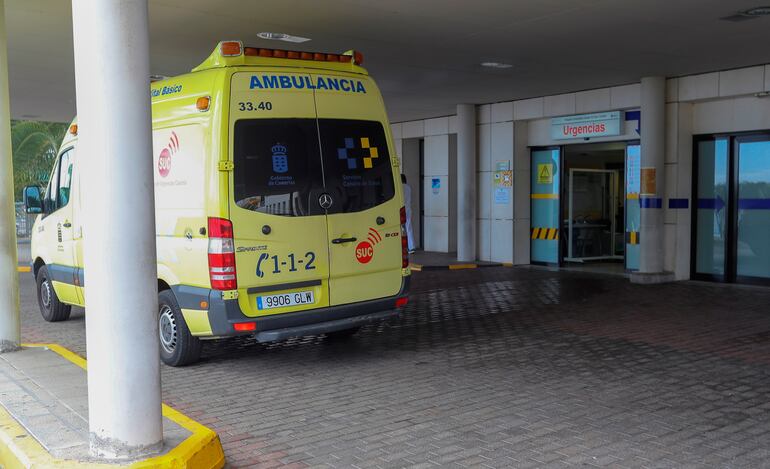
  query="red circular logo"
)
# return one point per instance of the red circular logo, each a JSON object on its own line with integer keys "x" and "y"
{"x": 164, "y": 162}
{"x": 364, "y": 252}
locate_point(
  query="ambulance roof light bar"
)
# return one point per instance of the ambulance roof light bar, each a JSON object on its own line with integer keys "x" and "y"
{"x": 235, "y": 49}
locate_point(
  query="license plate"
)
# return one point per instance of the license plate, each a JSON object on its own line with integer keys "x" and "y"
{"x": 285, "y": 299}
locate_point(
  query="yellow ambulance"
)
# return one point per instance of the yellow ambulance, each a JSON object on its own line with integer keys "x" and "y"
{"x": 279, "y": 209}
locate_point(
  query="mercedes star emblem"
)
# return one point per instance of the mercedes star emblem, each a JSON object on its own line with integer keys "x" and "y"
{"x": 325, "y": 201}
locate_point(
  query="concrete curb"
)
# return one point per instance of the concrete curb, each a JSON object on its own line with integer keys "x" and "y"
{"x": 420, "y": 267}
{"x": 19, "y": 449}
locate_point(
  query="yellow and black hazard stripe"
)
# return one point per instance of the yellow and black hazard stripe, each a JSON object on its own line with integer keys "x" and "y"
{"x": 632, "y": 237}
{"x": 545, "y": 233}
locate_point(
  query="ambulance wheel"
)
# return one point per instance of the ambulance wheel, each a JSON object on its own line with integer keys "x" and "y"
{"x": 177, "y": 346}
{"x": 343, "y": 334}
{"x": 51, "y": 308}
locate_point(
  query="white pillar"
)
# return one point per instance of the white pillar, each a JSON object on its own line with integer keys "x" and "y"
{"x": 653, "y": 146}
{"x": 9, "y": 277}
{"x": 466, "y": 182}
{"x": 115, "y": 149}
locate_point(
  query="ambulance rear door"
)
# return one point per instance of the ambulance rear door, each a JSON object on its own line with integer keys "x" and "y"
{"x": 362, "y": 181}
{"x": 281, "y": 242}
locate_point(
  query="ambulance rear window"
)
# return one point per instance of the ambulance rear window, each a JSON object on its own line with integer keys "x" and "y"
{"x": 357, "y": 168}
{"x": 281, "y": 170}
{"x": 277, "y": 166}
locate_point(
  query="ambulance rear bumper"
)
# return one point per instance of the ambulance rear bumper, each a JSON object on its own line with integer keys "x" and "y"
{"x": 224, "y": 314}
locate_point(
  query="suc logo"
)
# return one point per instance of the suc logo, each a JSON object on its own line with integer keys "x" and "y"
{"x": 164, "y": 160}
{"x": 365, "y": 249}
{"x": 364, "y": 252}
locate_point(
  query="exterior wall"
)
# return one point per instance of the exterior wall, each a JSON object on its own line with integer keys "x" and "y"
{"x": 495, "y": 147}
{"x": 440, "y": 160}
{"x": 726, "y": 101}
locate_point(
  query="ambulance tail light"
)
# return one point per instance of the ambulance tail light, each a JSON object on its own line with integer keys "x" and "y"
{"x": 404, "y": 240}
{"x": 245, "y": 326}
{"x": 222, "y": 255}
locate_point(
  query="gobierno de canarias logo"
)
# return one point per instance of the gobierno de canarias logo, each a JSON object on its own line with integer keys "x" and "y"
{"x": 365, "y": 249}
{"x": 164, "y": 160}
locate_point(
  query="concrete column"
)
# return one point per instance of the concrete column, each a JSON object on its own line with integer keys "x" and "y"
{"x": 467, "y": 192}
{"x": 653, "y": 147}
{"x": 9, "y": 278}
{"x": 115, "y": 149}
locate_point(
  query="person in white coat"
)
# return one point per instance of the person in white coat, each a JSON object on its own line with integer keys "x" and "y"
{"x": 408, "y": 206}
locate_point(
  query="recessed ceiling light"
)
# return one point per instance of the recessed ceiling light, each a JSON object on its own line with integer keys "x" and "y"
{"x": 495, "y": 65}
{"x": 757, "y": 11}
{"x": 281, "y": 37}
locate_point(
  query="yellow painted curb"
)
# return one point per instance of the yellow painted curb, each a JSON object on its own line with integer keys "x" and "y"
{"x": 462, "y": 266}
{"x": 18, "y": 449}
{"x": 24, "y": 268}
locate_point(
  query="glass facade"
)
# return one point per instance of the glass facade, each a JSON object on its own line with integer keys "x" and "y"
{"x": 711, "y": 203}
{"x": 633, "y": 207}
{"x": 752, "y": 253}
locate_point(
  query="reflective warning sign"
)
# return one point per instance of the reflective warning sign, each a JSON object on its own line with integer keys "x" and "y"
{"x": 545, "y": 173}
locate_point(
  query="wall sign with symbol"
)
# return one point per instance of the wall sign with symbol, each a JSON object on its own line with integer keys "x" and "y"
{"x": 545, "y": 173}
{"x": 503, "y": 183}
{"x": 435, "y": 185}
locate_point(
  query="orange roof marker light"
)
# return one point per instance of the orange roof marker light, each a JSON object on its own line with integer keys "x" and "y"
{"x": 349, "y": 56}
{"x": 74, "y": 129}
{"x": 234, "y": 53}
{"x": 230, "y": 48}
{"x": 203, "y": 103}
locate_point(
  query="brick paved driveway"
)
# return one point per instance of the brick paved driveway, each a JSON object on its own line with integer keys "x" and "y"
{"x": 496, "y": 367}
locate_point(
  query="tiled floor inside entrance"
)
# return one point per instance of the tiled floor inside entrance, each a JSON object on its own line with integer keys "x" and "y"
{"x": 495, "y": 367}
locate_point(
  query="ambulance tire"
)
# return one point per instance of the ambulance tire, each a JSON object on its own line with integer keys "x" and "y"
{"x": 51, "y": 308}
{"x": 345, "y": 334}
{"x": 177, "y": 346}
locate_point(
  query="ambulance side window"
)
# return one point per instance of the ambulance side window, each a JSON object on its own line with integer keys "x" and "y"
{"x": 357, "y": 167}
{"x": 49, "y": 200}
{"x": 277, "y": 166}
{"x": 57, "y": 195}
{"x": 65, "y": 179}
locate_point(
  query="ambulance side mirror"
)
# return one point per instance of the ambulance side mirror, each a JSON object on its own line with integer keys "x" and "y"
{"x": 33, "y": 200}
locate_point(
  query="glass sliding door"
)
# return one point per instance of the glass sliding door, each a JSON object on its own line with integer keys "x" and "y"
{"x": 544, "y": 184}
{"x": 731, "y": 193}
{"x": 591, "y": 214}
{"x": 712, "y": 195}
{"x": 752, "y": 208}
